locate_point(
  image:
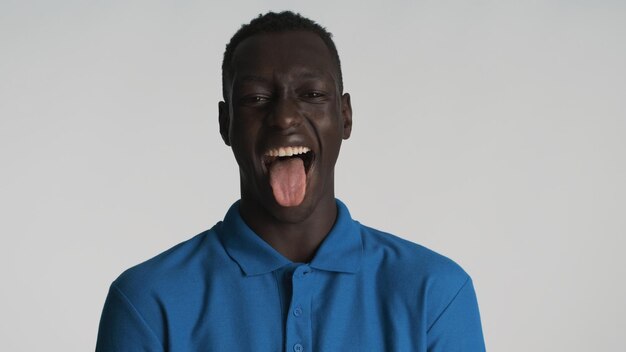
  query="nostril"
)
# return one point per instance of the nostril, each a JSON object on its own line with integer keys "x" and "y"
{"x": 285, "y": 114}
{"x": 286, "y": 121}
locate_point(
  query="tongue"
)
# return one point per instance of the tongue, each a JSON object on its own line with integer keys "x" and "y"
{"x": 288, "y": 181}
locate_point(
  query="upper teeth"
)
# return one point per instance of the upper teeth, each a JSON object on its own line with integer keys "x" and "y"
{"x": 287, "y": 151}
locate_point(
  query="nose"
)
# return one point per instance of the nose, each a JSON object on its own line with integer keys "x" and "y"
{"x": 285, "y": 114}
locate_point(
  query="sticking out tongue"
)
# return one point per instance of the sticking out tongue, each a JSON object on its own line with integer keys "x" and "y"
{"x": 288, "y": 181}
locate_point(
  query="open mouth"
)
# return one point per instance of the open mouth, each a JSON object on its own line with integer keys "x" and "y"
{"x": 287, "y": 168}
{"x": 284, "y": 153}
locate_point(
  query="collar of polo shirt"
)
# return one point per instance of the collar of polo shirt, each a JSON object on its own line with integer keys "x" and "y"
{"x": 341, "y": 250}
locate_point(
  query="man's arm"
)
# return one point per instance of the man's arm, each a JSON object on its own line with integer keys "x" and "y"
{"x": 458, "y": 328}
{"x": 122, "y": 328}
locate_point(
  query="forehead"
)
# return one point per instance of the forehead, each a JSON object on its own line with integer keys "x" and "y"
{"x": 268, "y": 54}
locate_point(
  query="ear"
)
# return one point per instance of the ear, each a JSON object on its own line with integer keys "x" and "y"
{"x": 224, "y": 120}
{"x": 346, "y": 114}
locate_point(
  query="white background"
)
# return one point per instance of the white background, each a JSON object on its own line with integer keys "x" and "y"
{"x": 492, "y": 132}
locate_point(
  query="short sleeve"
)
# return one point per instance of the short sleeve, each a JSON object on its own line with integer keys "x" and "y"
{"x": 122, "y": 328}
{"x": 458, "y": 328}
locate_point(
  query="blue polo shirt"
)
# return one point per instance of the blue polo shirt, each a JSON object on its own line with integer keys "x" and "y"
{"x": 228, "y": 290}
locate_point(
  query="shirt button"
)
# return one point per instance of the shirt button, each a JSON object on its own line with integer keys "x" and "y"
{"x": 297, "y": 312}
{"x": 298, "y": 348}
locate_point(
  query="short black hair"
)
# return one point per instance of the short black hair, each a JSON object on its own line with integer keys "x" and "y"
{"x": 276, "y": 22}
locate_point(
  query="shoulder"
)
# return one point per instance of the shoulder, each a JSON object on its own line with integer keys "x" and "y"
{"x": 401, "y": 253}
{"x": 413, "y": 273}
{"x": 167, "y": 271}
{"x": 135, "y": 308}
{"x": 415, "y": 266}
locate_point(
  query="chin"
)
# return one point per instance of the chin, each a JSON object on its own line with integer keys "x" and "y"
{"x": 294, "y": 214}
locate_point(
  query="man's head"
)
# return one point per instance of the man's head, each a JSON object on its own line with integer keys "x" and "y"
{"x": 272, "y": 22}
{"x": 284, "y": 115}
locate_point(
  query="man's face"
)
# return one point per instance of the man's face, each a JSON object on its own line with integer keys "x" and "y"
{"x": 284, "y": 98}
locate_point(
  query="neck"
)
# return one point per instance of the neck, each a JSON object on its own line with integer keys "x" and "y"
{"x": 298, "y": 239}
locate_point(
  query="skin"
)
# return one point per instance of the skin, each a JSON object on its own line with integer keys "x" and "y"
{"x": 284, "y": 91}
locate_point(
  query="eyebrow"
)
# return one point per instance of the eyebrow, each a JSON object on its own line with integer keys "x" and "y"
{"x": 251, "y": 78}
{"x": 311, "y": 74}
{"x": 306, "y": 74}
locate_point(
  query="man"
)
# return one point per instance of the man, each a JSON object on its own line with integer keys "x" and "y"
{"x": 288, "y": 269}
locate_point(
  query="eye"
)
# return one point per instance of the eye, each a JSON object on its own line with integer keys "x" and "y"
{"x": 258, "y": 98}
{"x": 255, "y": 99}
{"x": 314, "y": 95}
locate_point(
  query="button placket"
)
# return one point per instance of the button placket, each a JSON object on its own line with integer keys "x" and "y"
{"x": 299, "y": 322}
